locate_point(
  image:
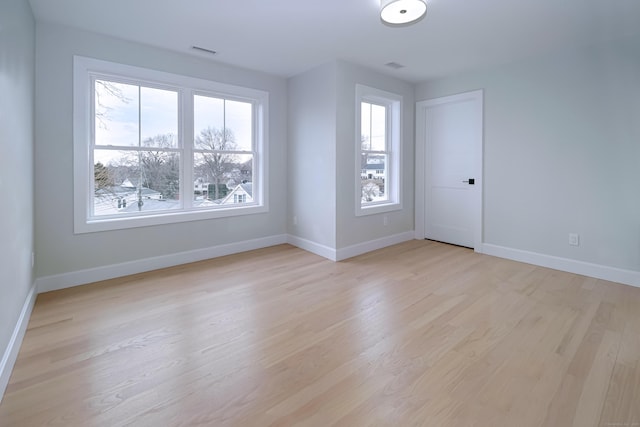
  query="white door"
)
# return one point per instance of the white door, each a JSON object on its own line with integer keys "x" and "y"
{"x": 449, "y": 135}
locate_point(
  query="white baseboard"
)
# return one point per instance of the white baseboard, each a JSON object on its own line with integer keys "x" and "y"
{"x": 313, "y": 247}
{"x": 372, "y": 245}
{"x": 81, "y": 277}
{"x": 350, "y": 251}
{"x": 612, "y": 274}
{"x": 11, "y": 353}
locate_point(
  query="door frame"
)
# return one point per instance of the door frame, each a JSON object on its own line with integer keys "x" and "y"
{"x": 421, "y": 176}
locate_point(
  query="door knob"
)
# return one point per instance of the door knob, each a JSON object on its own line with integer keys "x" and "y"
{"x": 470, "y": 181}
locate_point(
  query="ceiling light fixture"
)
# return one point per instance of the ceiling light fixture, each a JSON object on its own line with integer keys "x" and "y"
{"x": 402, "y": 12}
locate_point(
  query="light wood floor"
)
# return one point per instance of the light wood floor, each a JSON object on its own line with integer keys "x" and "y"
{"x": 421, "y": 333}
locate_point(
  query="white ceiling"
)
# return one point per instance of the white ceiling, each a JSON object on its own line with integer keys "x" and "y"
{"x": 286, "y": 37}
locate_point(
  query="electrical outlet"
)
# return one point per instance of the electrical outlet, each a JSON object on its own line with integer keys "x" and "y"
{"x": 385, "y": 220}
{"x": 295, "y": 220}
{"x": 574, "y": 239}
{"x": 33, "y": 259}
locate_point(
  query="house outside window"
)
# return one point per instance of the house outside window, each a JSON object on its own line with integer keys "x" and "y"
{"x": 378, "y": 142}
{"x": 153, "y": 148}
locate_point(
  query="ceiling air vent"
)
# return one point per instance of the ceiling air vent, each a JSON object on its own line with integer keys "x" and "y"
{"x": 394, "y": 65}
{"x": 204, "y": 50}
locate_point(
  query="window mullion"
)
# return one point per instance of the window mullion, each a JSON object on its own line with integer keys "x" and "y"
{"x": 139, "y": 117}
{"x": 186, "y": 125}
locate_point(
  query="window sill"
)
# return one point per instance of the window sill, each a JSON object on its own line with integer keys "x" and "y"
{"x": 377, "y": 209}
{"x": 108, "y": 224}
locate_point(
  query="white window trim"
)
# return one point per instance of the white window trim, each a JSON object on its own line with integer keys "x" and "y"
{"x": 83, "y": 68}
{"x": 394, "y": 103}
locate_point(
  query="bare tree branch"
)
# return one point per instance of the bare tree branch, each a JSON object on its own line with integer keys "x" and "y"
{"x": 105, "y": 88}
{"x": 218, "y": 165}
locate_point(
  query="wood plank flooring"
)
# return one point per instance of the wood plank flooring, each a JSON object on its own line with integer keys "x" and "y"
{"x": 418, "y": 334}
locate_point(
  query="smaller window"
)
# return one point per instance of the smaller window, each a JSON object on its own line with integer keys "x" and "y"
{"x": 378, "y": 154}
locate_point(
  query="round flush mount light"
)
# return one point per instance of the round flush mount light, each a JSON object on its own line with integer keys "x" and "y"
{"x": 402, "y": 12}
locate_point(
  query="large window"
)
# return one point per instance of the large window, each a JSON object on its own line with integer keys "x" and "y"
{"x": 153, "y": 148}
{"x": 377, "y": 150}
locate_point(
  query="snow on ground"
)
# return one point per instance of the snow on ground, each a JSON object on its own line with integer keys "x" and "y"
{"x": 109, "y": 206}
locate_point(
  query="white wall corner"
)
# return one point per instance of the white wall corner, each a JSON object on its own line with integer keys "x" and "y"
{"x": 372, "y": 245}
{"x": 82, "y": 277}
{"x": 313, "y": 247}
{"x": 611, "y": 274}
{"x": 11, "y": 352}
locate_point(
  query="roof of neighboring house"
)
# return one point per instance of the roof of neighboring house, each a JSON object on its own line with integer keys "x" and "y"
{"x": 118, "y": 190}
{"x": 246, "y": 187}
{"x": 148, "y": 192}
{"x": 128, "y": 184}
{"x": 374, "y": 166}
{"x": 153, "y": 205}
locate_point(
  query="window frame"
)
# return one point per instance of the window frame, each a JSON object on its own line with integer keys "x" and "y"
{"x": 393, "y": 140}
{"x": 86, "y": 70}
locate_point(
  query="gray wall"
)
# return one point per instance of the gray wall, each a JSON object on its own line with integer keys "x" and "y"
{"x": 561, "y": 152}
{"x": 322, "y": 156}
{"x": 58, "y": 249}
{"x": 351, "y": 229}
{"x": 311, "y": 155}
{"x": 17, "y": 62}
